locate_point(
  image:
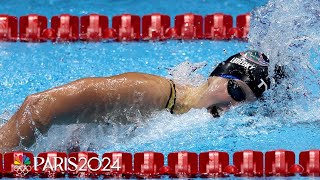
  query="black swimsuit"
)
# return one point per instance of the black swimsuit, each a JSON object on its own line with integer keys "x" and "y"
{"x": 172, "y": 98}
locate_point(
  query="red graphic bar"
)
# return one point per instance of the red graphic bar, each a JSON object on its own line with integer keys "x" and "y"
{"x": 182, "y": 164}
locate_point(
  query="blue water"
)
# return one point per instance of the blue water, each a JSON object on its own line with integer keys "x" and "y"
{"x": 277, "y": 123}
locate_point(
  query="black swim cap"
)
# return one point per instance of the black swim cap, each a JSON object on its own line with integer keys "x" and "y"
{"x": 250, "y": 66}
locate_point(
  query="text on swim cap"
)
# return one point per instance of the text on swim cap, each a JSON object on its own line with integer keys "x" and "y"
{"x": 263, "y": 84}
{"x": 242, "y": 62}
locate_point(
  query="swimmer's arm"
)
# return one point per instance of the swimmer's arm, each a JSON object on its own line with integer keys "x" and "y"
{"x": 39, "y": 110}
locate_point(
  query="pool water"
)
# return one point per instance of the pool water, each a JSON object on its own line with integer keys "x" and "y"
{"x": 285, "y": 30}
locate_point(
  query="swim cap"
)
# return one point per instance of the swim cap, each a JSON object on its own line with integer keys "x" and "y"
{"x": 250, "y": 66}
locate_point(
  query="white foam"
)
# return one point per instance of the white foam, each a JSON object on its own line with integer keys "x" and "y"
{"x": 288, "y": 32}
{"x": 184, "y": 73}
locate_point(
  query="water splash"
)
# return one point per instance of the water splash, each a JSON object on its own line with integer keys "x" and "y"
{"x": 287, "y": 31}
{"x": 4, "y": 117}
{"x": 185, "y": 73}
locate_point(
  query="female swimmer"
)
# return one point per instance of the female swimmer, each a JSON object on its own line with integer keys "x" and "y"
{"x": 241, "y": 78}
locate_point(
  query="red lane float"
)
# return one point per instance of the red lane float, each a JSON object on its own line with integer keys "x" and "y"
{"x": 126, "y": 27}
{"x": 148, "y": 164}
{"x": 248, "y": 163}
{"x": 281, "y": 163}
{"x": 217, "y": 26}
{"x": 116, "y": 165}
{"x": 213, "y": 164}
{"x": 18, "y": 164}
{"x": 94, "y": 27}
{"x": 8, "y": 28}
{"x": 235, "y": 33}
{"x": 310, "y": 161}
{"x": 188, "y": 26}
{"x": 156, "y": 27}
{"x": 278, "y": 162}
{"x": 183, "y": 164}
{"x": 65, "y": 27}
{"x": 243, "y": 24}
{"x": 83, "y": 164}
{"x": 31, "y": 28}
{"x": 51, "y": 165}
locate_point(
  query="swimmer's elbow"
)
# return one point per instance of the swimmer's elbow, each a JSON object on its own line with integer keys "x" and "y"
{"x": 38, "y": 109}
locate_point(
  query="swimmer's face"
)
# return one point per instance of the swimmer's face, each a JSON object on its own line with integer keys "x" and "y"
{"x": 217, "y": 99}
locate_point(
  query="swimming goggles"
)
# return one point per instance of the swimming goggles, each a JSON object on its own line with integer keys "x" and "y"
{"x": 234, "y": 89}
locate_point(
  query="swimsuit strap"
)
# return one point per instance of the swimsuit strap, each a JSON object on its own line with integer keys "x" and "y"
{"x": 172, "y": 98}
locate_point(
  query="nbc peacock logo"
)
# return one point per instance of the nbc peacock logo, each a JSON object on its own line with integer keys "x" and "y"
{"x": 22, "y": 165}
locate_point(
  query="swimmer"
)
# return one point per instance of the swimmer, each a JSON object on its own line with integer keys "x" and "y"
{"x": 241, "y": 78}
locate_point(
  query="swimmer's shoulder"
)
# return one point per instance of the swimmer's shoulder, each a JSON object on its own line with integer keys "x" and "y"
{"x": 141, "y": 76}
{"x": 145, "y": 80}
